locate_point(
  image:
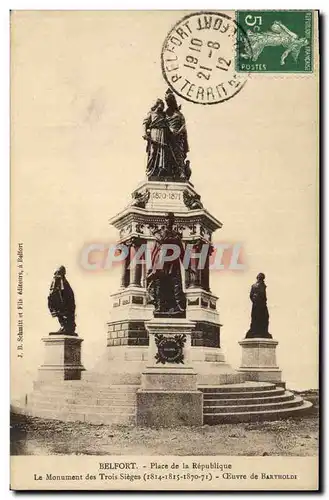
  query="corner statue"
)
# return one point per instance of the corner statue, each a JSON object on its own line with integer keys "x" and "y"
{"x": 61, "y": 303}
{"x": 259, "y": 313}
{"x": 164, "y": 279}
{"x": 167, "y": 146}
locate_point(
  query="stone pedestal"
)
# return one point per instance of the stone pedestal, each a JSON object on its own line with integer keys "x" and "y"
{"x": 168, "y": 396}
{"x": 259, "y": 360}
{"x": 62, "y": 358}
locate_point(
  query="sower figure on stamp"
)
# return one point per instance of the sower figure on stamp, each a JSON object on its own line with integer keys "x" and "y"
{"x": 61, "y": 302}
{"x": 259, "y": 313}
{"x": 164, "y": 279}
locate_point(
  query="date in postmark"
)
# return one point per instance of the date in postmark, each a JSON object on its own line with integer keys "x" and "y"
{"x": 278, "y": 41}
{"x": 198, "y": 58}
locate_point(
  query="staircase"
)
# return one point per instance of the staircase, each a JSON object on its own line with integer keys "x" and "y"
{"x": 248, "y": 402}
{"x": 83, "y": 401}
{"x": 86, "y": 401}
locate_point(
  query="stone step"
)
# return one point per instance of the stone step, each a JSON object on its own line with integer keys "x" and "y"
{"x": 287, "y": 396}
{"x": 244, "y": 387}
{"x": 216, "y": 378}
{"x": 117, "y": 400}
{"x": 82, "y": 383}
{"x": 90, "y": 390}
{"x": 94, "y": 418}
{"x": 245, "y": 394}
{"x": 63, "y": 399}
{"x": 82, "y": 408}
{"x": 242, "y": 408}
{"x": 65, "y": 384}
{"x": 263, "y": 415}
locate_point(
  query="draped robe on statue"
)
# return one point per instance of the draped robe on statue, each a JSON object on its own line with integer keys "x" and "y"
{"x": 178, "y": 141}
{"x": 259, "y": 312}
{"x": 158, "y": 148}
{"x": 61, "y": 303}
{"x": 164, "y": 280}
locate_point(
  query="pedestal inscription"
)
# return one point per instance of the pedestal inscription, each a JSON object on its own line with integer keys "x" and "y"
{"x": 170, "y": 349}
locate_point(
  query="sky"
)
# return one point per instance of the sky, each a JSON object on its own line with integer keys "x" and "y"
{"x": 82, "y": 83}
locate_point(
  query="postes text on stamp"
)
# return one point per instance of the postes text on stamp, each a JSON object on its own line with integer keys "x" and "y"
{"x": 198, "y": 58}
{"x": 279, "y": 41}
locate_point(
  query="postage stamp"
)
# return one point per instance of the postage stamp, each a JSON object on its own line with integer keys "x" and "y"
{"x": 198, "y": 58}
{"x": 279, "y": 41}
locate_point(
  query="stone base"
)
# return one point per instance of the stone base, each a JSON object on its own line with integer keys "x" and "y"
{"x": 169, "y": 378}
{"x": 168, "y": 396}
{"x": 62, "y": 358}
{"x": 259, "y": 360}
{"x": 169, "y": 409}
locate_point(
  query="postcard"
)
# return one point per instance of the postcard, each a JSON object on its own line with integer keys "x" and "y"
{"x": 164, "y": 250}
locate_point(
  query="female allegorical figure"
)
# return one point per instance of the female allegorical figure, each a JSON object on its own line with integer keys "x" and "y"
{"x": 164, "y": 279}
{"x": 157, "y": 137}
{"x": 178, "y": 137}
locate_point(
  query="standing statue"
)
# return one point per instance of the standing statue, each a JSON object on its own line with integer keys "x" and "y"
{"x": 178, "y": 136}
{"x": 157, "y": 137}
{"x": 167, "y": 146}
{"x": 164, "y": 279}
{"x": 61, "y": 303}
{"x": 259, "y": 313}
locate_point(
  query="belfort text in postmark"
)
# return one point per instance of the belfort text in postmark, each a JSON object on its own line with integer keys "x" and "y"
{"x": 198, "y": 58}
{"x": 278, "y": 41}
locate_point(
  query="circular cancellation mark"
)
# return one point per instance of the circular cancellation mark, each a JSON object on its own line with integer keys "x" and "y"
{"x": 198, "y": 58}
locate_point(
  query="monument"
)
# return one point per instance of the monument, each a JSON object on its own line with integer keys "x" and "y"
{"x": 62, "y": 348}
{"x": 258, "y": 347}
{"x": 163, "y": 364}
{"x": 165, "y": 210}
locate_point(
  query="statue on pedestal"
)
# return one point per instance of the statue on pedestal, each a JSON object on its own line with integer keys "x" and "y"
{"x": 164, "y": 279}
{"x": 259, "y": 313}
{"x": 167, "y": 145}
{"x": 61, "y": 303}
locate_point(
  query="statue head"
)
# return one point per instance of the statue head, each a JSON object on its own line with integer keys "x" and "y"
{"x": 61, "y": 271}
{"x": 159, "y": 105}
{"x": 260, "y": 277}
{"x": 171, "y": 100}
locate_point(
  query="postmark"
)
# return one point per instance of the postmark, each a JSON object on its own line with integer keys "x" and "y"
{"x": 278, "y": 41}
{"x": 198, "y": 58}
{"x": 285, "y": 441}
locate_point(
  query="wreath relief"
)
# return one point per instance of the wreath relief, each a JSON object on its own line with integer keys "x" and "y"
{"x": 170, "y": 349}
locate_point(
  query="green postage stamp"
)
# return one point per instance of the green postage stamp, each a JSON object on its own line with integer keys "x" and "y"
{"x": 275, "y": 41}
